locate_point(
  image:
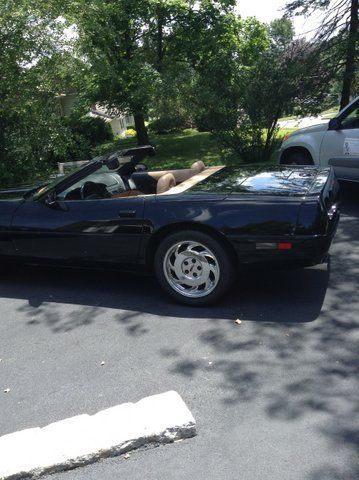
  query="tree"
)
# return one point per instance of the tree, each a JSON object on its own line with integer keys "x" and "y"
{"x": 117, "y": 74}
{"x": 142, "y": 51}
{"x": 339, "y": 31}
{"x": 284, "y": 79}
{"x": 30, "y": 130}
{"x": 281, "y": 75}
{"x": 225, "y": 48}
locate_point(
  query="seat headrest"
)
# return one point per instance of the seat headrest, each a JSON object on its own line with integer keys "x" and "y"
{"x": 165, "y": 182}
{"x": 198, "y": 166}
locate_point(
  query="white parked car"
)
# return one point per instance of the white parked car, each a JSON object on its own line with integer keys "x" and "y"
{"x": 335, "y": 143}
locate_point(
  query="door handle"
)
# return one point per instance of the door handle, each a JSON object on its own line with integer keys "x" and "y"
{"x": 127, "y": 213}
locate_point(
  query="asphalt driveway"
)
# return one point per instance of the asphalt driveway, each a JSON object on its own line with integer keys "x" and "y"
{"x": 274, "y": 397}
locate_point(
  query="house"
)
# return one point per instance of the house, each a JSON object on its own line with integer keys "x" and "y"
{"x": 119, "y": 123}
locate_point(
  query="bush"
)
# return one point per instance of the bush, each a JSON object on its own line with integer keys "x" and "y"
{"x": 131, "y": 132}
{"x": 248, "y": 141}
{"x": 93, "y": 129}
{"x": 168, "y": 124}
{"x": 83, "y": 134}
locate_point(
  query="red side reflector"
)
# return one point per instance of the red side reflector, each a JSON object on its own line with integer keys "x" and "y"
{"x": 284, "y": 246}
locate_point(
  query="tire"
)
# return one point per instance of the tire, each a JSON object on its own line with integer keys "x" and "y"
{"x": 298, "y": 157}
{"x": 205, "y": 267}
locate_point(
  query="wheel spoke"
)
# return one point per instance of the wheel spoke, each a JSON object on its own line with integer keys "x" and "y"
{"x": 191, "y": 269}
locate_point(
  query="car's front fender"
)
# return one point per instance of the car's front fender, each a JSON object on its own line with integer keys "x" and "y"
{"x": 311, "y": 142}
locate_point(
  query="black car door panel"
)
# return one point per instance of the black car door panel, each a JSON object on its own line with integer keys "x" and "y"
{"x": 105, "y": 230}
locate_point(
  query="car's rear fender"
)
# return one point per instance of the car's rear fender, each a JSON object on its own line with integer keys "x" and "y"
{"x": 154, "y": 241}
{"x": 235, "y": 216}
{"x": 320, "y": 208}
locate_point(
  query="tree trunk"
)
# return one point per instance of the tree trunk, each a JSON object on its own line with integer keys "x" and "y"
{"x": 142, "y": 134}
{"x": 349, "y": 72}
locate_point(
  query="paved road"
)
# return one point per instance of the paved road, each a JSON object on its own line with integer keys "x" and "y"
{"x": 302, "y": 122}
{"x": 276, "y": 397}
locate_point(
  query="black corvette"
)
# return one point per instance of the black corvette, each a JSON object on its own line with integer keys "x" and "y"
{"x": 194, "y": 227}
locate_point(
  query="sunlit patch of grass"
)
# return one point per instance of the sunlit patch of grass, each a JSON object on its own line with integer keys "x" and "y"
{"x": 182, "y": 149}
{"x": 175, "y": 150}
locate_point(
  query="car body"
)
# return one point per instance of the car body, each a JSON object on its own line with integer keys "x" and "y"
{"x": 335, "y": 144}
{"x": 189, "y": 225}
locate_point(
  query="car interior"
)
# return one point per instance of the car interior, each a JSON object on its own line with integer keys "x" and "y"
{"x": 106, "y": 183}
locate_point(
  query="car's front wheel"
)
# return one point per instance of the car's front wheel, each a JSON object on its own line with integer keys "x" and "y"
{"x": 193, "y": 267}
{"x": 297, "y": 157}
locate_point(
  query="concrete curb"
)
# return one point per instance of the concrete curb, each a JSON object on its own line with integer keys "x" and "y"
{"x": 85, "y": 439}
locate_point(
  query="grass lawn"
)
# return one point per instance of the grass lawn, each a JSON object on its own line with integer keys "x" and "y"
{"x": 330, "y": 113}
{"x": 181, "y": 150}
{"x": 284, "y": 131}
{"x": 177, "y": 150}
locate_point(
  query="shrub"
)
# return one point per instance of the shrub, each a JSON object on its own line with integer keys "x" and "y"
{"x": 83, "y": 135}
{"x": 131, "y": 132}
{"x": 93, "y": 129}
{"x": 168, "y": 124}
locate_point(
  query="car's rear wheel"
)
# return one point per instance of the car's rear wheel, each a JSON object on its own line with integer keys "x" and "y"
{"x": 297, "y": 157}
{"x": 193, "y": 267}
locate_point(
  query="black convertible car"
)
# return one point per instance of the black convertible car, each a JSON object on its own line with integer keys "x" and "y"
{"x": 194, "y": 227}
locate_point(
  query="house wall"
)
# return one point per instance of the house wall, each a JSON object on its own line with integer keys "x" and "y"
{"x": 119, "y": 124}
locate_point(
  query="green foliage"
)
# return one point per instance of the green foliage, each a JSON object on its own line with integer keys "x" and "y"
{"x": 167, "y": 124}
{"x": 286, "y": 75}
{"x": 30, "y": 130}
{"x": 92, "y": 129}
{"x": 227, "y": 53}
{"x": 119, "y": 73}
{"x": 175, "y": 150}
{"x": 180, "y": 63}
{"x": 336, "y": 39}
{"x": 281, "y": 31}
{"x": 37, "y": 64}
{"x": 83, "y": 133}
{"x": 148, "y": 52}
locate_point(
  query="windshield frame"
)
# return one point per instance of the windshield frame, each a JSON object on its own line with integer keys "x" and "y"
{"x": 65, "y": 181}
{"x": 134, "y": 155}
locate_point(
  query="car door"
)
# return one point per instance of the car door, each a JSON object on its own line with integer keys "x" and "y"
{"x": 340, "y": 146}
{"x": 80, "y": 231}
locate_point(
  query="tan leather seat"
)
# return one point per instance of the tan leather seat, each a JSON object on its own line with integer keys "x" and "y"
{"x": 165, "y": 182}
{"x": 182, "y": 174}
{"x": 198, "y": 166}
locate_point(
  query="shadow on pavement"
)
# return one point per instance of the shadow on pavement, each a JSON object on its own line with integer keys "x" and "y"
{"x": 261, "y": 296}
{"x": 299, "y": 322}
{"x": 320, "y": 359}
{"x": 294, "y": 296}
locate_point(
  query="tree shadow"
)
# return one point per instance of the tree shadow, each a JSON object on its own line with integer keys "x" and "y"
{"x": 260, "y": 296}
{"x": 303, "y": 323}
{"x": 302, "y": 369}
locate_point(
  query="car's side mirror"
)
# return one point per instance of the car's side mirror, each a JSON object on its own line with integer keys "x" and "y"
{"x": 335, "y": 124}
{"x": 51, "y": 199}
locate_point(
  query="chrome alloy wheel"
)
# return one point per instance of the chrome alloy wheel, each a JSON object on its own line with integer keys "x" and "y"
{"x": 191, "y": 269}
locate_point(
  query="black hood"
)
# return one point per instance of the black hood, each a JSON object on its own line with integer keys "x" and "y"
{"x": 274, "y": 180}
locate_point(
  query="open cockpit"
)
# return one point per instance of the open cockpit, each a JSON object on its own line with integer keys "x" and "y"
{"x": 122, "y": 175}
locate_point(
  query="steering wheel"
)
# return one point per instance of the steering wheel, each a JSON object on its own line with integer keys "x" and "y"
{"x": 92, "y": 190}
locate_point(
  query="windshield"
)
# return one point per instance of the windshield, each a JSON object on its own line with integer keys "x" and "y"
{"x": 44, "y": 189}
{"x": 105, "y": 177}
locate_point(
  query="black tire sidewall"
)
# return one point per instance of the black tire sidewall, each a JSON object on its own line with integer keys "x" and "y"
{"x": 223, "y": 255}
{"x": 298, "y": 158}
